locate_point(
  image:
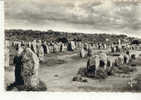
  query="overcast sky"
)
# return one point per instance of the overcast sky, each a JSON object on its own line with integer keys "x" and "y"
{"x": 88, "y": 16}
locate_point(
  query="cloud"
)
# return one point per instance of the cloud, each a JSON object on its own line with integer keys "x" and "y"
{"x": 90, "y": 15}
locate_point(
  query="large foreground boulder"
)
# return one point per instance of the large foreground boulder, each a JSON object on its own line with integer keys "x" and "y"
{"x": 30, "y": 69}
{"x": 26, "y": 72}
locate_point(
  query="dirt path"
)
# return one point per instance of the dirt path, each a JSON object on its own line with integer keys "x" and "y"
{"x": 58, "y": 78}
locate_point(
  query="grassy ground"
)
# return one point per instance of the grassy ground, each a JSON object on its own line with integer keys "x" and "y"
{"x": 58, "y": 70}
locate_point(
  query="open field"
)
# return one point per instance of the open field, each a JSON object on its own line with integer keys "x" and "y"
{"x": 58, "y": 70}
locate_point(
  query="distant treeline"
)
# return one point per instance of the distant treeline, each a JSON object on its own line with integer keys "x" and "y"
{"x": 50, "y": 35}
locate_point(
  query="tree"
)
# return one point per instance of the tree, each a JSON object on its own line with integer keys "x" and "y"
{"x": 136, "y": 42}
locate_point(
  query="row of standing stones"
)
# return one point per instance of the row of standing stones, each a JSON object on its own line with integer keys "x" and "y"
{"x": 101, "y": 65}
{"x": 27, "y": 64}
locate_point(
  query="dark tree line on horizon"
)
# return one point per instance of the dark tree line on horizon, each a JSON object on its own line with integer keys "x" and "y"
{"x": 50, "y": 35}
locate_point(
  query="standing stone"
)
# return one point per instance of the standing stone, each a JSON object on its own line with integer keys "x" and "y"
{"x": 29, "y": 44}
{"x": 86, "y": 46}
{"x": 126, "y": 59}
{"x": 96, "y": 46}
{"x": 105, "y": 46}
{"x": 99, "y": 46}
{"x": 33, "y": 46}
{"x": 97, "y": 62}
{"x": 40, "y": 52}
{"x": 55, "y": 48}
{"x": 51, "y": 49}
{"x": 109, "y": 62}
{"x": 133, "y": 56}
{"x": 76, "y": 44}
{"x": 14, "y": 43}
{"x": 17, "y": 61}
{"x": 62, "y": 48}
{"x": 30, "y": 69}
{"x": 44, "y": 45}
{"x": 90, "y": 51}
{"x": 65, "y": 47}
{"x": 119, "y": 60}
{"x": 119, "y": 48}
{"x": 7, "y": 57}
{"x": 22, "y": 43}
{"x": 82, "y": 53}
{"x": 71, "y": 46}
{"x": 103, "y": 60}
{"x": 17, "y": 45}
{"x": 46, "y": 48}
{"x": 20, "y": 50}
{"x": 39, "y": 42}
{"x": 79, "y": 44}
{"x": 119, "y": 42}
{"x": 93, "y": 64}
{"x": 113, "y": 49}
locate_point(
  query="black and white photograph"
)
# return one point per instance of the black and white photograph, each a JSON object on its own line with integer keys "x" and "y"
{"x": 72, "y": 45}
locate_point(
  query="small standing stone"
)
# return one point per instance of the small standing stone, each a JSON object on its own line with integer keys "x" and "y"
{"x": 7, "y": 57}
{"x": 103, "y": 60}
{"x": 62, "y": 48}
{"x": 33, "y": 46}
{"x": 40, "y": 52}
{"x": 82, "y": 53}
